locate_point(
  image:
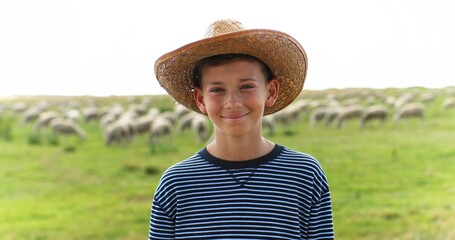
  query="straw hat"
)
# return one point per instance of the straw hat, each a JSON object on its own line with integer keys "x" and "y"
{"x": 281, "y": 52}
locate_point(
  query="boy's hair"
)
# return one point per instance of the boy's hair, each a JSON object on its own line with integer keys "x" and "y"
{"x": 227, "y": 58}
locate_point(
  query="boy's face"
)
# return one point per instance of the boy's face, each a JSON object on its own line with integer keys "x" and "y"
{"x": 234, "y": 96}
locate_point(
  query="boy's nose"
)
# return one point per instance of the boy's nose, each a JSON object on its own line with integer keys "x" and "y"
{"x": 233, "y": 100}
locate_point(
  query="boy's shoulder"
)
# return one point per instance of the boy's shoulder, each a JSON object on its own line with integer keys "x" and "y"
{"x": 187, "y": 165}
{"x": 293, "y": 156}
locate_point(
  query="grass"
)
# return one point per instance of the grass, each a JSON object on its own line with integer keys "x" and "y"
{"x": 391, "y": 182}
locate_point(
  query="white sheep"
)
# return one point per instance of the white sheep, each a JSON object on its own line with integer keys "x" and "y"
{"x": 184, "y": 122}
{"x": 73, "y": 114}
{"x": 116, "y": 132}
{"x": 45, "y": 118}
{"x": 142, "y": 124}
{"x": 375, "y": 112}
{"x": 268, "y": 122}
{"x": 118, "y": 128}
{"x": 448, "y": 103}
{"x": 66, "y": 127}
{"x": 200, "y": 124}
{"x": 409, "y": 110}
{"x": 181, "y": 110}
{"x": 90, "y": 113}
{"x": 348, "y": 113}
{"x": 331, "y": 114}
{"x": 19, "y": 107}
{"x": 161, "y": 127}
{"x": 31, "y": 114}
{"x": 317, "y": 115}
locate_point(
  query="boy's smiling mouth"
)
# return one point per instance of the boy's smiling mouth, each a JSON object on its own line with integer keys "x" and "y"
{"x": 234, "y": 117}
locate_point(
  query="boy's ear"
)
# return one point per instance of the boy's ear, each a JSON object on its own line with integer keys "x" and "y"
{"x": 199, "y": 98}
{"x": 273, "y": 88}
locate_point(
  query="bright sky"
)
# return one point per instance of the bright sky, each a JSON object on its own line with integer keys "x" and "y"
{"x": 109, "y": 47}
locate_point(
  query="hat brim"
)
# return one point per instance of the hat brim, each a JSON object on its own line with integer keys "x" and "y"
{"x": 282, "y": 54}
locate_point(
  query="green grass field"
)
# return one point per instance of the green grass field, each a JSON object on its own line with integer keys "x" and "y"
{"x": 390, "y": 182}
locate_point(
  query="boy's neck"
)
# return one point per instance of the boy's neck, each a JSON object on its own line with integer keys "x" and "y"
{"x": 239, "y": 149}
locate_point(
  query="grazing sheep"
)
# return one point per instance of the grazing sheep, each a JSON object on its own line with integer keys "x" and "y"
{"x": 448, "y": 103}
{"x": 410, "y": 110}
{"x": 317, "y": 115}
{"x": 184, "y": 122}
{"x": 153, "y": 111}
{"x": 331, "y": 114}
{"x": 390, "y": 101}
{"x": 269, "y": 122}
{"x": 428, "y": 97}
{"x": 348, "y": 113}
{"x": 127, "y": 120}
{"x": 283, "y": 117}
{"x": 31, "y": 114}
{"x": 142, "y": 124}
{"x": 67, "y": 127}
{"x": 200, "y": 124}
{"x": 106, "y": 120}
{"x": 161, "y": 127}
{"x": 378, "y": 112}
{"x": 45, "y": 118}
{"x": 171, "y": 116}
{"x": 116, "y": 132}
{"x": 181, "y": 110}
{"x": 405, "y": 98}
{"x": 297, "y": 108}
{"x": 19, "y": 107}
{"x": 73, "y": 114}
{"x": 90, "y": 114}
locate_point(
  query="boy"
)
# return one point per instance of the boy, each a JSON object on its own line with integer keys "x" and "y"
{"x": 241, "y": 185}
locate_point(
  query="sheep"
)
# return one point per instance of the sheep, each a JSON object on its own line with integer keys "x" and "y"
{"x": 115, "y": 133}
{"x": 90, "y": 114}
{"x": 106, "y": 120}
{"x": 67, "y": 127}
{"x": 331, "y": 114}
{"x": 184, "y": 122}
{"x": 378, "y": 112}
{"x": 181, "y": 110}
{"x": 200, "y": 124}
{"x": 19, "y": 107}
{"x": 348, "y": 113}
{"x": 428, "y": 97}
{"x": 31, "y": 114}
{"x": 171, "y": 116}
{"x": 73, "y": 114}
{"x": 448, "y": 103}
{"x": 298, "y": 107}
{"x": 268, "y": 121}
{"x": 45, "y": 118}
{"x": 409, "y": 110}
{"x": 126, "y": 120}
{"x": 142, "y": 124}
{"x": 405, "y": 98}
{"x": 318, "y": 114}
{"x": 283, "y": 117}
{"x": 161, "y": 127}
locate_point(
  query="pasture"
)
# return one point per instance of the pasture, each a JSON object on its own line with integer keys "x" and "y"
{"x": 391, "y": 181}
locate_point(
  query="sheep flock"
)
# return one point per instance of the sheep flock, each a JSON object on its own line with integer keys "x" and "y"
{"x": 121, "y": 122}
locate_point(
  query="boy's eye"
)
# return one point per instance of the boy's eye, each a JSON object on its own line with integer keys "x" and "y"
{"x": 248, "y": 86}
{"x": 215, "y": 90}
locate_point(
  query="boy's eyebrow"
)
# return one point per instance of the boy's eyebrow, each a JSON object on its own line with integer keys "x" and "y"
{"x": 241, "y": 80}
{"x": 248, "y": 79}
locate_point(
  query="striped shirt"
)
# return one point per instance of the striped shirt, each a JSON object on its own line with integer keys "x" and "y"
{"x": 282, "y": 195}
